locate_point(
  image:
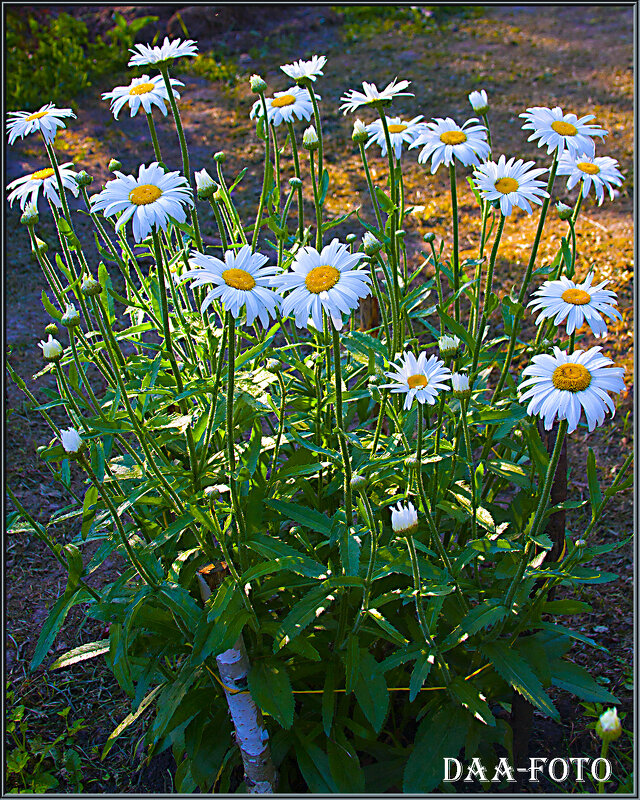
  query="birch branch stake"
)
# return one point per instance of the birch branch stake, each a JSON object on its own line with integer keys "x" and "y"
{"x": 251, "y": 733}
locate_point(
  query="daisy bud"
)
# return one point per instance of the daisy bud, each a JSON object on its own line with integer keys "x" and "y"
{"x": 257, "y": 84}
{"x": 295, "y": 183}
{"x": 218, "y": 195}
{"x": 411, "y": 462}
{"x": 608, "y": 727}
{"x": 479, "y": 102}
{"x": 404, "y": 519}
{"x": 429, "y": 237}
{"x": 212, "y": 493}
{"x": 71, "y": 441}
{"x": 460, "y": 385}
{"x": 564, "y": 211}
{"x": 360, "y": 134}
{"x": 71, "y": 317}
{"x": 83, "y": 178}
{"x": 400, "y": 234}
{"x": 272, "y": 364}
{"x": 114, "y": 165}
{"x": 581, "y": 543}
{"x": 52, "y": 328}
{"x": 205, "y": 185}
{"x": 371, "y": 244}
{"x": 220, "y": 157}
{"x": 90, "y": 287}
{"x": 39, "y": 246}
{"x": 51, "y": 349}
{"x": 449, "y": 346}
{"x": 29, "y": 215}
{"x": 358, "y": 482}
{"x": 350, "y": 238}
{"x": 310, "y": 139}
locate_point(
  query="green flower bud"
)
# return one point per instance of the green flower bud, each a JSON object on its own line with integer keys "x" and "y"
{"x": 206, "y": 187}
{"x": 220, "y": 157}
{"x": 114, "y": 165}
{"x": 310, "y": 139}
{"x": 83, "y": 178}
{"x": 350, "y": 238}
{"x": 90, "y": 287}
{"x": 608, "y": 727}
{"x": 71, "y": 317}
{"x": 29, "y": 215}
{"x": 429, "y": 237}
{"x": 401, "y": 234}
{"x": 360, "y": 134}
{"x": 295, "y": 183}
{"x": 358, "y": 482}
{"x": 371, "y": 244}
{"x": 564, "y": 211}
{"x": 51, "y": 328}
{"x": 257, "y": 84}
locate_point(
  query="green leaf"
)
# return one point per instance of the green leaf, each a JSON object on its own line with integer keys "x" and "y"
{"x": 440, "y": 735}
{"x": 292, "y": 559}
{"x": 307, "y": 517}
{"x": 352, "y": 663}
{"x": 55, "y": 621}
{"x": 51, "y": 310}
{"x": 329, "y": 697}
{"x": 345, "y": 767}
{"x": 270, "y": 687}
{"x": 371, "y": 691}
{"x": 481, "y": 617}
{"x": 74, "y": 565}
{"x": 314, "y": 766}
{"x": 456, "y": 328}
{"x": 575, "y": 679}
{"x": 515, "y": 670}
{"x": 468, "y": 696}
{"x": 566, "y": 607}
{"x": 82, "y": 653}
{"x": 420, "y": 673}
{"x": 384, "y": 200}
{"x": 324, "y": 186}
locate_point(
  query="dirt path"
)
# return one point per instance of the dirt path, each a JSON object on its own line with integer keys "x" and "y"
{"x": 578, "y": 57}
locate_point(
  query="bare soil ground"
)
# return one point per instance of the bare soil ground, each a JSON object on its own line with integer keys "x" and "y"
{"x": 578, "y": 57}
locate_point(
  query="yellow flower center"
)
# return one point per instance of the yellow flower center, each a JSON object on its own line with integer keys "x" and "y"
{"x": 41, "y": 174}
{"x": 145, "y": 194}
{"x": 564, "y": 128}
{"x": 453, "y": 137}
{"x": 239, "y": 279}
{"x": 506, "y": 185}
{"x": 417, "y": 381}
{"x": 397, "y": 128}
{"x": 283, "y": 100}
{"x": 577, "y": 297}
{"x": 590, "y": 169}
{"x": 321, "y": 279}
{"x": 37, "y": 115}
{"x": 571, "y": 377}
{"x": 142, "y": 88}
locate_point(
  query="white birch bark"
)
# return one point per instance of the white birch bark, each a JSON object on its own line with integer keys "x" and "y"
{"x": 251, "y": 733}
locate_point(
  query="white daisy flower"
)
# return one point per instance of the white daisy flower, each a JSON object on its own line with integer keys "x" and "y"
{"x": 399, "y": 133}
{"x": 305, "y": 69}
{"x": 563, "y": 384}
{"x": 420, "y": 378}
{"x": 354, "y": 99}
{"x": 576, "y": 302}
{"x": 512, "y": 183}
{"x": 559, "y": 131}
{"x": 27, "y": 189}
{"x": 327, "y": 280}
{"x": 600, "y": 171}
{"x": 460, "y": 385}
{"x": 152, "y": 199}
{"x": 404, "y": 518}
{"x": 240, "y": 280}
{"x": 47, "y": 120}
{"x": 143, "y": 91}
{"x": 205, "y": 185}
{"x": 479, "y": 102}
{"x": 145, "y": 55}
{"x": 444, "y": 140}
{"x": 284, "y": 106}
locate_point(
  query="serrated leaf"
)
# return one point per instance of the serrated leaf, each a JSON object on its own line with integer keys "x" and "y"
{"x": 481, "y": 617}
{"x": 515, "y": 670}
{"x": 371, "y": 691}
{"x": 575, "y": 679}
{"x": 270, "y": 688}
{"x": 468, "y": 695}
{"x": 308, "y": 517}
{"x": 440, "y": 735}
{"x": 420, "y": 673}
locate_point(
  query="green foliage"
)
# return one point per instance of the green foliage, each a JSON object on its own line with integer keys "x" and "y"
{"x": 213, "y": 66}
{"x": 364, "y": 22}
{"x": 51, "y": 62}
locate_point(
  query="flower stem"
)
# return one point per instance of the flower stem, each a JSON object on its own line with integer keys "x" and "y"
{"x": 455, "y": 264}
{"x": 296, "y": 170}
{"x": 265, "y": 176}
{"x": 154, "y": 137}
{"x": 339, "y": 423}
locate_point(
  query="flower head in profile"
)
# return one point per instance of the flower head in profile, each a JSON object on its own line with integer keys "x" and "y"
{"x": 372, "y": 96}
{"x": 46, "y": 120}
{"x": 608, "y": 726}
{"x": 575, "y": 303}
{"x": 601, "y": 172}
{"x": 206, "y": 187}
{"x": 240, "y": 281}
{"x": 27, "y": 188}
{"x": 449, "y": 346}
{"x": 51, "y": 349}
{"x": 142, "y": 92}
{"x": 479, "y": 102}
{"x": 286, "y": 106}
{"x": 71, "y": 441}
{"x": 444, "y": 141}
{"x": 511, "y": 183}
{"x": 404, "y": 519}
{"x": 565, "y": 384}
{"x": 419, "y": 378}
{"x": 329, "y": 280}
{"x": 300, "y": 70}
{"x": 145, "y": 55}
{"x": 460, "y": 385}
{"x": 151, "y": 199}
{"x": 400, "y": 132}
{"x": 558, "y": 131}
